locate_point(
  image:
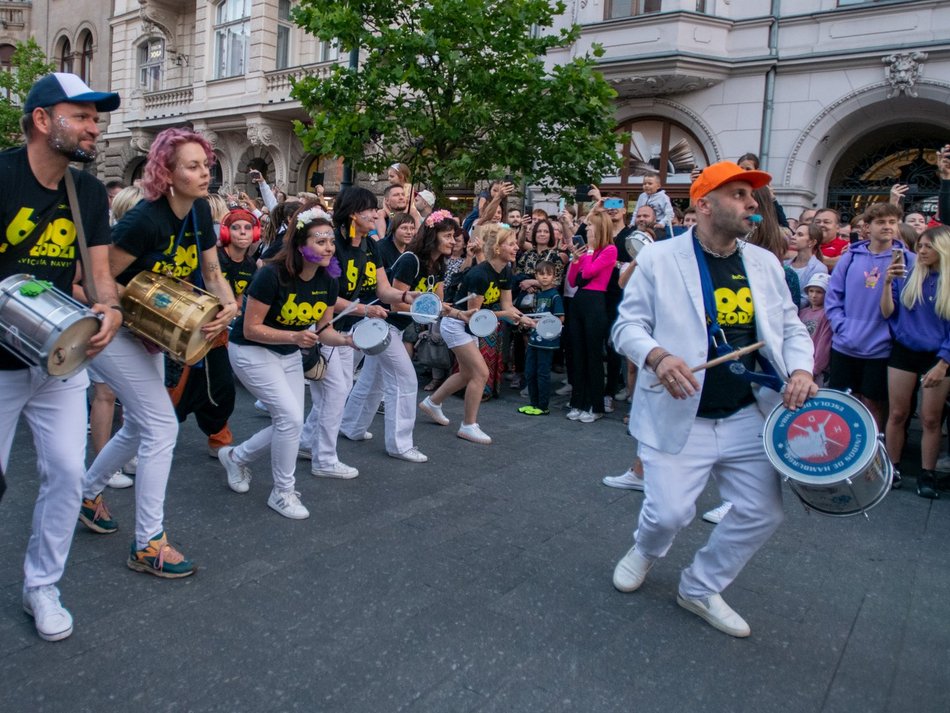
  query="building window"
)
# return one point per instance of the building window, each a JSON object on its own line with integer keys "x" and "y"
{"x": 85, "y": 59}
{"x": 66, "y": 57}
{"x": 629, "y": 8}
{"x": 6, "y": 64}
{"x": 283, "y": 34}
{"x": 151, "y": 64}
{"x": 232, "y": 28}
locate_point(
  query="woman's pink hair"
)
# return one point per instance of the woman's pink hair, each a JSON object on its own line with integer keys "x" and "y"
{"x": 160, "y": 163}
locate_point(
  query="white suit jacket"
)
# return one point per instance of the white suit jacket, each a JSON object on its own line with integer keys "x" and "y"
{"x": 663, "y": 307}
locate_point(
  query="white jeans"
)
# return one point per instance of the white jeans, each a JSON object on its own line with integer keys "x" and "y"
{"x": 328, "y": 396}
{"x": 56, "y": 413}
{"x": 388, "y": 375}
{"x": 149, "y": 429}
{"x": 731, "y": 450}
{"x": 277, "y": 380}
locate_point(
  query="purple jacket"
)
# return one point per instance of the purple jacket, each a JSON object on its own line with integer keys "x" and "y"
{"x": 919, "y": 328}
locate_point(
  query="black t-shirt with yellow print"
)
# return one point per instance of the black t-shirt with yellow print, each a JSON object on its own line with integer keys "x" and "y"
{"x": 238, "y": 274}
{"x": 150, "y": 232}
{"x": 483, "y": 280}
{"x": 410, "y": 270}
{"x": 23, "y": 203}
{"x": 294, "y": 303}
{"x": 351, "y": 258}
{"x": 724, "y": 393}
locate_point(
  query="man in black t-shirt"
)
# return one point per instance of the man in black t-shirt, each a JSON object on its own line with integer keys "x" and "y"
{"x": 39, "y": 238}
{"x": 690, "y": 426}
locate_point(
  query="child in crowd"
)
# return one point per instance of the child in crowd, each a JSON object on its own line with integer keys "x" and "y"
{"x": 655, "y": 197}
{"x": 540, "y": 350}
{"x": 814, "y": 319}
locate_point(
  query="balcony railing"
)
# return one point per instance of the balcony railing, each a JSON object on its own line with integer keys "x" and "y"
{"x": 168, "y": 100}
{"x": 277, "y": 83}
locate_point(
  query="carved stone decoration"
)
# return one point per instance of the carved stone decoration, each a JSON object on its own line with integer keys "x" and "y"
{"x": 140, "y": 141}
{"x": 260, "y": 135}
{"x": 902, "y": 70}
{"x": 158, "y": 20}
{"x": 211, "y": 136}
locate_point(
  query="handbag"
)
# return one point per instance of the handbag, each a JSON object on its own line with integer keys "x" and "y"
{"x": 432, "y": 354}
{"x": 314, "y": 363}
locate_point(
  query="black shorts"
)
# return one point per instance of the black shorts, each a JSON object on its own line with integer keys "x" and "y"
{"x": 908, "y": 360}
{"x": 864, "y": 377}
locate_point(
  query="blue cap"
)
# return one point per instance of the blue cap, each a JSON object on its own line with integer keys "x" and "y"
{"x": 62, "y": 87}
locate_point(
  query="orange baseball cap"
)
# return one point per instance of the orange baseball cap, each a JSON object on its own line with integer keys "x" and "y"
{"x": 718, "y": 174}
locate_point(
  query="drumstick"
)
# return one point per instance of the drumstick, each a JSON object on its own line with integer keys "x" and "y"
{"x": 732, "y": 356}
{"x": 464, "y": 299}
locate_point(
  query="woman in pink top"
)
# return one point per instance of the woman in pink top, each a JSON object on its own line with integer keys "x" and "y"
{"x": 591, "y": 266}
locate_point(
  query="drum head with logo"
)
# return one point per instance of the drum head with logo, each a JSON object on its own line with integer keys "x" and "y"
{"x": 426, "y": 308}
{"x": 832, "y": 437}
{"x": 549, "y": 327}
{"x": 483, "y": 323}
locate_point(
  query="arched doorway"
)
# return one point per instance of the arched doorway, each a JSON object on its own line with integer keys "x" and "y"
{"x": 905, "y": 153}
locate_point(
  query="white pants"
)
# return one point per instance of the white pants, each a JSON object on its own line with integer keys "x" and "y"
{"x": 56, "y": 413}
{"x": 149, "y": 429}
{"x": 328, "y": 396}
{"x": 277, "y": 380}
{"x": 388, "y": 375}
{"x": 731, "y": 450}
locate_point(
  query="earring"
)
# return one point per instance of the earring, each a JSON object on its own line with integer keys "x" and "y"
{"x": 171, "y": 190}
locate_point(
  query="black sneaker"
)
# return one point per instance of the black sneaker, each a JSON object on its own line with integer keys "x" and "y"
{"x": 927, "y": 485}
{"x": 896, "y": 482}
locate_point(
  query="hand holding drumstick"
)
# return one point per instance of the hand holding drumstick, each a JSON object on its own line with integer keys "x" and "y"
{"x": 677, "y": 376}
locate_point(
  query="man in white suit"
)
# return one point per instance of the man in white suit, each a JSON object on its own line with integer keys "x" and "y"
{"x": 691, "y": 426}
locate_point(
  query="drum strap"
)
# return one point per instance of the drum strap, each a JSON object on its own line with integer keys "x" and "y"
{"x": 88, "y": 283}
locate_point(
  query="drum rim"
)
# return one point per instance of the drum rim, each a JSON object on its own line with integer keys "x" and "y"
{"x": 481, "y": 315}
{"x": 860, "y": 463}
{"x": 371, "y": 323}
{"x": 551, "y": 318}
{"x": 884, "y": 490}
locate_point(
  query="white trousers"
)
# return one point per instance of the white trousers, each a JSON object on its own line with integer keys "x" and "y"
{"x": 327, "y": 397}
{"x": 149, "y": 429}
{"x": 730, "y": 450}
{"x": 390, "y": 376}
{"x": 277, "y": 380}
{"x": 56, "y": 413}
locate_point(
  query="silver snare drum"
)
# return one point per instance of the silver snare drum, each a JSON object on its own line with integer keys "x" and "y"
{"x": 829, "y": 454}
{"x": 483, "y": 323}
{"x": 372, "y": 336}
{"x": 44, "y": 326}
{"x": 636, "y": 241}
{"x": 549, "y": 327}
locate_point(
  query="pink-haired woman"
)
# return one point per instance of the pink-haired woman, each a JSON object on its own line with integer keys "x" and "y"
{"x": 171, "y": 233}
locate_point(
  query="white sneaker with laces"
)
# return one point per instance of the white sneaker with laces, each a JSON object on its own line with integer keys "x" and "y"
{"x": 631, "y": 570}
{"x": 239, "y": 476}
{"x": 433, "y": 411}
{"x": 365, "y": 436}
{"x": 589, "y": 417}
{"x": 715, "y": 610}
{"x": 53, "y": 621}
{"x": 627, "y": 481}
{"x": 338, "y": 470}
{"x": 132, "y": 466}
{"x": 716, "y": 515}
{"x": 120, "y": 480}
{"x": 564, "y": 390}
{"x": 608, "y": 405}
{"x": 288, "y": 504}
{"x": 574, "y": 414}
{"x": 413, "y": 455}
{"x": 471, "y": 432}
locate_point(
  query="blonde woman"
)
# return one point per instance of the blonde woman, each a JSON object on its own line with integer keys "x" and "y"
{"x": 918, "y": 310}
{"x": 490, "y": 284}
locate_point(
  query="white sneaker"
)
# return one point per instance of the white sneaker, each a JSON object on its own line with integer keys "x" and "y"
{"x": 589, "y": 417}
{"x": 53, "y": 622}
{"x": 631, "y": 570}
{"x": 366, "y": 436}
{"x": 621, "y": 395}
{"x": 288, "y": 504}
{"x": 120, "y": 480}
{"x": 239, "y": 476}
{"x": 433, "y": 411}
{"x": 413, "y": 455}
{"x": 627, "y": 481}
{"x": 564, "y": 390}
{"x": 524, "y": 393}
{"x": 471, "y": 432}
{"x": 338, "y": 470}
{"x": 716, "y": 515}
{"x": 132, "y": 466}
{"x": 574, "y": 414}
{"x": 943, "y": 464}
{"x": 259, "y": 405}
{"x": 715, "y": 610}
{"x": 608, "y": 405}
{"x": 304, "y": 454}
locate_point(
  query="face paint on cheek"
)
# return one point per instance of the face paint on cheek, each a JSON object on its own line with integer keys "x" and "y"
{"x": 310, "y": 255}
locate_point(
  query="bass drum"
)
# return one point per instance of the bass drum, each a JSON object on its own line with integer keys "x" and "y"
{"x": 829, "y": 454}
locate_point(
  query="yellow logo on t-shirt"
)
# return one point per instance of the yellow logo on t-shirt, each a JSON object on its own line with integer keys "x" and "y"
{"x": 239, "y": 286}
{"x": 298, "y": 314}
{"x": 57, "y": 241}
{"x": 492, "y": 294}
{"x": 184, "y": 259}
{"x": 734, "y": 307}
{"x": 353, "y": 274}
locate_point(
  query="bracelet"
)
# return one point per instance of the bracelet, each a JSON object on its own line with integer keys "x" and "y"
{"x": 658, "y": 361}
{"x": 405, "y": 296}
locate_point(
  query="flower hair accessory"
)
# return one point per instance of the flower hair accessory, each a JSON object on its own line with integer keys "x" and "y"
{"x": 308, "y": 216}
{"x": 438, "y": 216}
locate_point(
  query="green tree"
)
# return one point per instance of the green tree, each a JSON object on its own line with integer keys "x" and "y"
{"x": 27, "y": 64}
{"x": 459, "y": 91}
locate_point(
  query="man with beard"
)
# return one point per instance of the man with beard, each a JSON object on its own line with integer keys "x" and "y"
{"x": 644, "y": 220}
{"x": 59, "y": 120}
{"x": 693, "y": 425}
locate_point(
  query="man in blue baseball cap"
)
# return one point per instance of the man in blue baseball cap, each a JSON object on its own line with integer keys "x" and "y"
{"x": 38, "y": 229}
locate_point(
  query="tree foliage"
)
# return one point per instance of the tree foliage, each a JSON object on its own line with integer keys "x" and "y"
{"x": 458, "y": 90}
{"x": 27, "y": 64}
